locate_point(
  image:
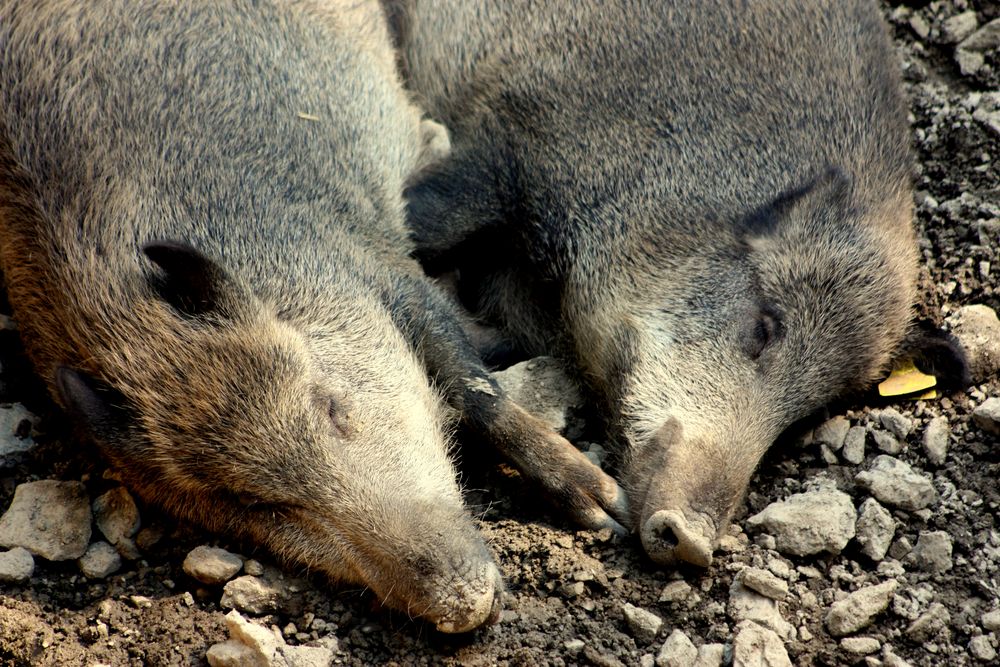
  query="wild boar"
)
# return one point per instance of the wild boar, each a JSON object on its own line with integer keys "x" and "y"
{"x": 201, "y": 231}
{"x": 704, "y": 206}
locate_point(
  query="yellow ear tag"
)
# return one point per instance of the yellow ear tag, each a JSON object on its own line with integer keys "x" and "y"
{"x": 906, "y": 379}
{"x": 926, "y": 396}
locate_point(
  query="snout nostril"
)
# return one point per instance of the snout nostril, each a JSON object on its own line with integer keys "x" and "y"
{"x": 666, "y": 535}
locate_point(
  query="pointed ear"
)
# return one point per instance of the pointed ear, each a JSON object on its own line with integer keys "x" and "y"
{"x": 191, "y": 282}
{"x": 938, "y": 353}
{"x": 96, "y": 407}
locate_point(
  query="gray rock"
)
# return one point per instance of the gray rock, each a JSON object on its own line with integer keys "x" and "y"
{"x": 920, "y": 26}
{"x": 895, "y": 483}
{"x": 860, "y": 645}
{"x": 858, "y": 609}
{"x": 854, "y": 445}
{"x": 982, "y": 649}
{"x": 936, "y": 437}
{"x": 16, "y": 565}
{"x": 987, "y": 416}
{"x": 890, "y": 659}
{"x": 212, "y": 565}
{"x": 929, "y": 624}
{"x": 809, "y": 523}
{"x": 756, "y": 646}
{"x": 991, "y": 621}
{"x": 100, "y": 560}
{"x": 117, "y": 516}
{"x": 747, "y": 605}
{"x": 306, "y": 656}
{"x": 959, "y": 26}
{"x": 832, "y": 432}
{"x": 932, "y": 552}
{"x": 643, "y": 624}
{"x": 875, "y": 529}
{"x": 977, "y": 327}
{"x": 249, "y": 645}
{"x": 969, "y": 62}
{"x": 677, "y": 651}
{"x": 260, "y": 595}
{"x": 984, "y": 39}
{"x": 710, "y": 655}
{"x": 15, "y": 429}
{"x": 886, "y": 442}
{"x": 675, "y": 591}
{"x": 894, "y": 422}
{"x": 49, "y": 518}
{"x": 987, "y": 112}
{"x": 543, "y": 387}
{"x": 764, "y": 583}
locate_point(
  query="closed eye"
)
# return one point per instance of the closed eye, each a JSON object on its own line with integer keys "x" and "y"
{"x": 765, "y": 331}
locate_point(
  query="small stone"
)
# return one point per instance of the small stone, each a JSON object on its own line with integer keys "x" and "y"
{"x": 747, "y": 605}
{"x": 261, "y": 642}
{"x": 710, "y": 655}
{"x": 116, "y": 515}
{"x": 969, "y": 62}
{"x": 809, "y": 523}
{"x": 306, "y": 656}
{"x": 543, "y": 387}
{"x": 936, "y": 437}
{"x": 860, "y": 645}
{"x": 212, "y": 565}
{"x": 886, "y": 442}
{"x": 644, "y": 624}
{"x": 677, "y": 651}
{"x": 875, "y": 529}
{"x": 675, "y": 591}
{"x": 890, "y": 659}
{"x": 854, "y": 445}
{"x": 15, "y": 429}
{"x": 256, "y": 595}
{"x": 959, "y": 26}
{"x": 232, "y": 653}
{"x": 49, "y": 518}
{"x": 187, "y": 599}
{"x": 16, "y": 565}
{"x": 982, "y": 649}
{"x": 895, "y": 483}
{"x": 253, "y": 567}
{"x": 149, "y": 537}
{"x": 977, "y": 328}
{"x": 987, "y": 416}
{"x": 756, "y": 646}
{"x": 929, "y": 624}
{"x": 932, "y": 552}
{"x": 100, "y": 560}
{"x": 764, "y": 583}
{"x": 573, "y": 589}
{"x": 991, "y": 620}
{"x": 920, "y": 26}
{"x": 832, "y": 432}
{"x": 895, "y": 423}
{"x": 984, "y": 39}
{"x": 574, "y": 645}
{"x": 858, "y": 609}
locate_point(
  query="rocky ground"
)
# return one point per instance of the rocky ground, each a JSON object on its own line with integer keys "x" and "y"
{"x": 873, "y": 538}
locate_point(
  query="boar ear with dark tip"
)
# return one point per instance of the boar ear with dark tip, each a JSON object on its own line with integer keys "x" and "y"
{"x": 830, "y": 185}
{"x": 191, "y": 282}
{"x": 938, "y": 353}
{"x": 98, "y": 408}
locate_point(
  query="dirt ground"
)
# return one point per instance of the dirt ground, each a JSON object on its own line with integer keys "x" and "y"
{"x": 567, "y": 590}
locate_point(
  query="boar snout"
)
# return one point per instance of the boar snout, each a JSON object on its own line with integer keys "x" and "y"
{"x": 684, "y": 490}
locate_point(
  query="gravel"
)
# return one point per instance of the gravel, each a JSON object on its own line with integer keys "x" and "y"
{"x": 809, "y": 523}
{"x": 987, "y": 416}
{"x": 677, "y": 651}
{"x": 16, "y": 565}
{"x": 756, "y": 646}
{"x": 937, "y": 433}
{"x": 49, "y": 518}
{"x": 644, "y": 625}
{"x": 212, "y": 565}
{"x": 894, "y": 482}
{"x": 859, "y": 609}
{"x": 875, "y": 529}
{"x": 100, "y": 560}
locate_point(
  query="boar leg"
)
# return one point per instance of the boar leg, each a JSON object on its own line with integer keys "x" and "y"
{"x": 434, "y": 327}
